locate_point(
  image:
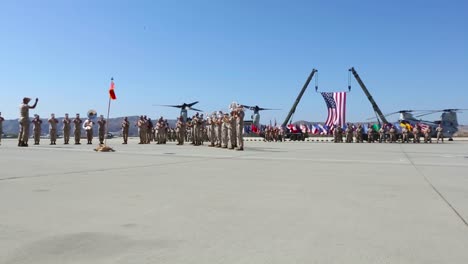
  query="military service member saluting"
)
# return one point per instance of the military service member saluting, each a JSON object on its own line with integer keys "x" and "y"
{"x": 125, "y": 128}
{"x": 101, "y": 128}
{"x": 37, "y": 123}
{"x": 66, "y": 129}
{"x": 77, "y": 121}
{"x": 24, "y": 121}
{"x": 53, "y": 129}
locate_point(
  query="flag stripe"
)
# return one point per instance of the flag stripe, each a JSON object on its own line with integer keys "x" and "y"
{"x": 336, "y": 105}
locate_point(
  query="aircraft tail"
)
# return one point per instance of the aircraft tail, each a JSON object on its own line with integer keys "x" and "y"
{"x": 449, "y": 121}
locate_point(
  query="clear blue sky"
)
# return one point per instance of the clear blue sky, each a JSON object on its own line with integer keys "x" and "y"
{"x": 410, "y": 54}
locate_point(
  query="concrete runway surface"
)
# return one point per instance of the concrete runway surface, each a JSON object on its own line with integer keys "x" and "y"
{"x": 293, "y": 202}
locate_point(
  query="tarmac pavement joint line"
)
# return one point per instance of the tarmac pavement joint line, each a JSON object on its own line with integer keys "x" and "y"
{"x": 435, "y": 189}
{"x": 199, "y": 158}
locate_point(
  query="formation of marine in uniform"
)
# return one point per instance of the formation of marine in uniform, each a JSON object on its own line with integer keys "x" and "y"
{"x": 386, "y": 133}
{"x": 224, "y": 130}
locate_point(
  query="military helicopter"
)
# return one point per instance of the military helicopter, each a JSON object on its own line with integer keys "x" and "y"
{"x": 184, "y": 108}
{"x": 448, "y": 120}
{"x": 256, "y": 113}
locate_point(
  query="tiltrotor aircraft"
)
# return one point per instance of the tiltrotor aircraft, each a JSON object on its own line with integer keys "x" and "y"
{"x": 256, "y": 113}
{"x": 184, "y": 108}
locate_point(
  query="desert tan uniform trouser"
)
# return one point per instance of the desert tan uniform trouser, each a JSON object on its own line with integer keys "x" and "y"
{"x": 240, "y": 138}
{"x": 53, "y": 135}
{"x": 125, "y": 134}
{"x": 89, "y": 135}
{"x": 66, "y": 135}
{"x": 24, "y": 130}
{"x": 101, "y": 135}
{"x": 232, "y": 133}
{"x": 77, "y": 134}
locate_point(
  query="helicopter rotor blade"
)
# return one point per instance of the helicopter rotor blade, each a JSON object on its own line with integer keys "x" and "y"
{"x": 442, "y": 110}
{"x": 261, "y": 109}
{"x": 178, "y": 106}
{"x": 194, "y": 109}
{"x": 192, "y": 104}
{"x": 249, "y": 107}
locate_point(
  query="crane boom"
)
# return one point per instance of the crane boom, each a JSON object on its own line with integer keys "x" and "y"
{"x": 369, "y": 96}
{"x": 293, "y": 108}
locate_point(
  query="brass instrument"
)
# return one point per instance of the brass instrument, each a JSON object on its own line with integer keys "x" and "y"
{"x": 92, "y": 114}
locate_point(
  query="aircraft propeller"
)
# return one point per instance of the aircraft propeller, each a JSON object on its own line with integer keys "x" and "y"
{"x": 185, "y": 106}
{"x": 256, "y": 108}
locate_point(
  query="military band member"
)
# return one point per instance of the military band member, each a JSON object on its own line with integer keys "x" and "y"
{"x": 53, "y": 129}
{"x": 125, "y": 130}
{"x": 212, "y": 124}
{"x": 101, "y": 129}
{"x": 37, "y": 129}
{"x": 1, "y": 127}
{"x": 165, "y": 131}
{"x": 149, "y": 131}
{"x": 195, "y": 129}
{"x": 201, "y": 127}
{"x": 219, "y": 129}
{"x": 159, "y": 130}
{"x": 225, "y": 131}
{"x": 141, "y": 124}
{"x": 77, "y": 133}
{"x": 440, "y": 134}
{"x": 88, "y": 127}
{"x": 66, "y": 129}
{"x": 232, "y": 131}
{"x": 180, "y": 130}
{"x": 24, "y": 121}
{"x": 240, "y": 127}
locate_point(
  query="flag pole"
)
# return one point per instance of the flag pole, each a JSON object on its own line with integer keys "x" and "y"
{"x": 105, "y": 148}
{"x": 107, "y": 122}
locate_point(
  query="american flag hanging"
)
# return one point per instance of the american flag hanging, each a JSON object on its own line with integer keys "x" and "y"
{"x": 336, "y": 104}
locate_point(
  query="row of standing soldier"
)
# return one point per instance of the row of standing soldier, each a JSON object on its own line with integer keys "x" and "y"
{"x": 88, "y": 126}
{"x": 386, "y": 133}
{"x": 220, "y": 130}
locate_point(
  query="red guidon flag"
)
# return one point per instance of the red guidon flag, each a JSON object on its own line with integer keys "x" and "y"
{"x": 111, "y": 90}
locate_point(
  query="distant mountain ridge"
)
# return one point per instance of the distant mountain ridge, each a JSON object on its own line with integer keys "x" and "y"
{"x": 11, "y": 127}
